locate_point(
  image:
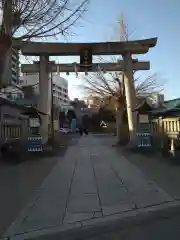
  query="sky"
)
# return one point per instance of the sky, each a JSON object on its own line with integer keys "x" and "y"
{"x": 145, "y": 19}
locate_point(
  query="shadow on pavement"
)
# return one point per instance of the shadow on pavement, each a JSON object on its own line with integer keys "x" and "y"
{"x": 19, "y": 179}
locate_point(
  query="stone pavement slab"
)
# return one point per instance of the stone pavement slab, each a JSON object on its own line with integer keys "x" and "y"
{"x": 115, "y": 225}
{"x": 47, "y": 208}
{"x": 92, "y": 182}
{"x": 159, "y": 229}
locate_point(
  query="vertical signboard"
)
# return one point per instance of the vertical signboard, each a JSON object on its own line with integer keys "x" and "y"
{"x": 86, "y": 59}
{"x": 143, "y": 135}
{"x": 34, "y": 140}
{"x": 73, "y": 125}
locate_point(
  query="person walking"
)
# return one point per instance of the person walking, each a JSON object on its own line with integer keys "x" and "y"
{"x": 83, "y": 128}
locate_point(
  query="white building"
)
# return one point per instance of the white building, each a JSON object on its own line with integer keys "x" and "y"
{"x": 60, "y": 87}
{"x": 156, "y": 99}
{"x": 60, "y": 90}
{"x": 12, "y": 90}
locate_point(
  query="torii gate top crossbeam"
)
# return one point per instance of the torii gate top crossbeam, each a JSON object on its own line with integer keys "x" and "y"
{"x": 73, "y": 49}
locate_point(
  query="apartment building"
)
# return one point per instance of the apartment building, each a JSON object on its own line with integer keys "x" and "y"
{"x": 60, "y": 90}
{"x": 11, "y": 77}
{"x": 60, "y": 87}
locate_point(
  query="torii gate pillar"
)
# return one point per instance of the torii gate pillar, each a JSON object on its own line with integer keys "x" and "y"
{"x": 44, "y": 103}
{"x": 130, "y": 94}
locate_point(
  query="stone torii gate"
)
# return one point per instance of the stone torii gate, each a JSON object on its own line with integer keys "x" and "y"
{"x": 86, "y": 50}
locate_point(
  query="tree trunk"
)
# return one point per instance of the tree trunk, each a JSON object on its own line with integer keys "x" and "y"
{"x": 121, "y": 129}
{"x": 118, "y": 125}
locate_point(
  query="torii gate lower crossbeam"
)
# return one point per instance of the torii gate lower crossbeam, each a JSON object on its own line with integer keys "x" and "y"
{"x": 67, "y": 68}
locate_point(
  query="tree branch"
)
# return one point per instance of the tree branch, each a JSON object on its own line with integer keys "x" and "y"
{"x": 45, "y": 18}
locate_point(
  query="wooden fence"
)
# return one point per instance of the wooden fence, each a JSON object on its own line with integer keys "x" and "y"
{"x": 166, "y": 125}
{"x": 10, "y": 131}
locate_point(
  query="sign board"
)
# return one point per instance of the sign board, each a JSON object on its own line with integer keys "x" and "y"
{"x": 34, "y": 122}
{"x": 143, "y": 136}
{"x": 143, "y": 140}
{"x": 35, "y": 144}
{"x": 86, "y": 58}
{"x": 143, "y": 118}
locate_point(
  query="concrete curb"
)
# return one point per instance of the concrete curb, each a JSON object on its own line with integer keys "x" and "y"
{"x": 93, "y": 227}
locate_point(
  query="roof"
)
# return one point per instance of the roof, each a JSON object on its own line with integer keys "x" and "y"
{"x": 173, "y": 103}
{"x": 143, "y": 107}
{"x": 20, "y": 106}
{"x": 27, "y": 101}
{"x": 11, "y": 103}
{"x": 33, "y": 110}
{"x": 168, "y": 107}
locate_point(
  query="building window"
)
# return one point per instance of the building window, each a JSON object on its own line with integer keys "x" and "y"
{"x": 21, "y": 81}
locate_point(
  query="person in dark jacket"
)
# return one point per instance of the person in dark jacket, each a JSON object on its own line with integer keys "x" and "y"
{"x": 83, "y": 128}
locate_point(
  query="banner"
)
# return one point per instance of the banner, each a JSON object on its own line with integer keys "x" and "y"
{"x": 73, "y": 125}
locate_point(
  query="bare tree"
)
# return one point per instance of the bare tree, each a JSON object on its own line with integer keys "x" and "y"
{"x": 43, "y": 18}
{"x": 37, "y": 19}
{"x": 111, "y": 85}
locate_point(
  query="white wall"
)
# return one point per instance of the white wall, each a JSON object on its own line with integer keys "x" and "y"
{"x": 29, "y": 79}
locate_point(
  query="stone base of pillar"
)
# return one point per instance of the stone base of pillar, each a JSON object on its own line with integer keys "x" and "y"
{"x": 132, "y": 142}
{"x": 44, "y": 129}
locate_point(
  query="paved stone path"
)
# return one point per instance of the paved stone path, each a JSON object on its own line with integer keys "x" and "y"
{"x": 93, "y": 181}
